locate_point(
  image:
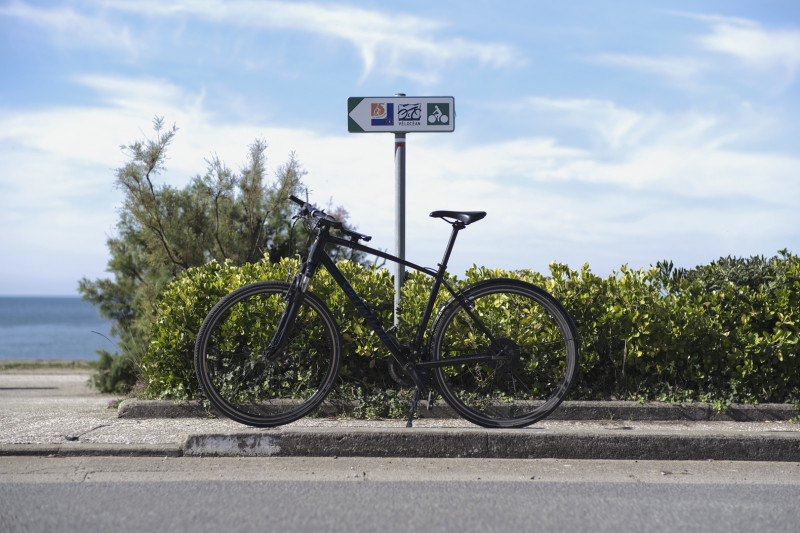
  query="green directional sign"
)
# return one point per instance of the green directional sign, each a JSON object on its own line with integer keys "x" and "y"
{"x": 400, "y": 114}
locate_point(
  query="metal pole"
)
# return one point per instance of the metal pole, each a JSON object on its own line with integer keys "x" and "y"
{"x": 400, "y": 213}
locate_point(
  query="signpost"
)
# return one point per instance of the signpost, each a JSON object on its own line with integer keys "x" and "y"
{"x": 400, "y": 114}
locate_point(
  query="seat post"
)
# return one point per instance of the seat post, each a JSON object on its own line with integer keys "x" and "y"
{"x": 457, "y": 226}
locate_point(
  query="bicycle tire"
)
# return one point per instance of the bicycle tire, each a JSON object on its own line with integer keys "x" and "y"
{"x": 536, "y": 354}
{"x": 246, "y": 385}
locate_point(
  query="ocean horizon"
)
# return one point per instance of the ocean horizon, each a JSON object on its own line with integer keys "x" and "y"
{"x": 52, "y": 327}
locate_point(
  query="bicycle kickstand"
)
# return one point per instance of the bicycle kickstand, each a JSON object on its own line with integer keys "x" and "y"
{"x": 413, "y": 409}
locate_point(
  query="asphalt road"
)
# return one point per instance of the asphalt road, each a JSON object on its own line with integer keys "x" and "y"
{"x": 388, "y": 495}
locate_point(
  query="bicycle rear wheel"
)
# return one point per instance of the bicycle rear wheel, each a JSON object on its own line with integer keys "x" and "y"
{"x": 533, "y": 347}
{"x": 251, "y": 386}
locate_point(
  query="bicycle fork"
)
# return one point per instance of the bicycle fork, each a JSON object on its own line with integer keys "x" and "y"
{"x": 294, "y": 299}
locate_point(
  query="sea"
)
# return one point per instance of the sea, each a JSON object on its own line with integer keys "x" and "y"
{"x": 52, "y": 327}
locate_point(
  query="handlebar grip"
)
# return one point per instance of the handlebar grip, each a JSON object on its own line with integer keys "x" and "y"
{"x": 296, "y": 200}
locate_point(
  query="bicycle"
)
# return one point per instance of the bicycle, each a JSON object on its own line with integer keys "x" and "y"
{"x": 501, "y": 352}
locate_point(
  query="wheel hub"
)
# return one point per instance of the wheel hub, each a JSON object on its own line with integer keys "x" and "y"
{"x": 507, "y": 355}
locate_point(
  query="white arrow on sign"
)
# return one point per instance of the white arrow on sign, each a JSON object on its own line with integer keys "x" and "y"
{"x": 400, "y": 114}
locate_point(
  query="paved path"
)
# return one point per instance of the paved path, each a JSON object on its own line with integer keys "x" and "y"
{"x": 56, "y": 413}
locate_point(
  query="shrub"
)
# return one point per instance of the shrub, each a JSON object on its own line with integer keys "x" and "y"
{"x": 725, "y": 332}
{"x": 114, "y": 373}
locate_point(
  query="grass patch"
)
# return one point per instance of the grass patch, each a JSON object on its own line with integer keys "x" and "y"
{"x": 45, "y": 364}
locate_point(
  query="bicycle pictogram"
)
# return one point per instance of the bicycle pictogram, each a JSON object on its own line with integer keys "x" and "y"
{"x": 436, "y": 115}
{"x": 409, "y": 111}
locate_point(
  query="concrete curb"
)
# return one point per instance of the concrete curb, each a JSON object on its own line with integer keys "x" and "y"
{"x": 92, "y": 450}
{"x": 507, "y": 444}
{"x": 521, "y": 443}
{"x": 578, "y": 410}
{"x": 255, "y": 444}
{"x": 447, "y": 443}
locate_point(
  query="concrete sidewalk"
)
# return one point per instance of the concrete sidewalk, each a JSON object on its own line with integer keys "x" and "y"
{"x": 55, "y": 413}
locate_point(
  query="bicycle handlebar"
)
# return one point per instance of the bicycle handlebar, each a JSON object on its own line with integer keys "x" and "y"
{"x": 313, "y": 212}
{"x": 324, "y": 218}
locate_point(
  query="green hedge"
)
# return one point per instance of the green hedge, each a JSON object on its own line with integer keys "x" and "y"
{"x": 725, "y": 332}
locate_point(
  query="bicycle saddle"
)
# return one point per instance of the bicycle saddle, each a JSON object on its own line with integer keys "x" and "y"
{"x": 465, "y": 217}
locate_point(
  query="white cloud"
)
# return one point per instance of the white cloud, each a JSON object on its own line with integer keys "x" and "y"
{"x": 755, "y": 46}
{"x": 677, "y": 68}
{"x": 388, "y": 43}
{"x": 746, "y": 41}
{"x": 141, "y": 94}
{"x": 93, "y": 135}
{"x": 612, "y": 125}
{"x": 393, "y": 44}
{"x": 752, "y": 45}
{"x": 690, "y": 154}
{"x": 71, "y": 28}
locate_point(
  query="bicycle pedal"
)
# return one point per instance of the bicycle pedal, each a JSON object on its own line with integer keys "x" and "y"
{"x": 430, "y": 401}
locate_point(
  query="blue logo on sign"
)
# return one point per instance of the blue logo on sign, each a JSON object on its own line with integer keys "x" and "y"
{"x": 382, "y": 114}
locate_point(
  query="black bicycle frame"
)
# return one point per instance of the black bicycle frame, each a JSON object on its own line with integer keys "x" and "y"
{"x": 408, "y": 360}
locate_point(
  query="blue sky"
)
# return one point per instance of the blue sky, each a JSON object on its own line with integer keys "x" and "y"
{"x": 603, "y": 132}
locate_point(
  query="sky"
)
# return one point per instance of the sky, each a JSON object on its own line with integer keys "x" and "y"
{"x": 607, "y": 133}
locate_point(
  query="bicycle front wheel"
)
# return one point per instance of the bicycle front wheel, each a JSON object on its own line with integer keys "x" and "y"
{"x": 523, "y": 351}
{"x": 249, "y": 384}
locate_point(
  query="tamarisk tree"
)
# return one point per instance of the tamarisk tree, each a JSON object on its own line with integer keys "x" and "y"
{"x": 222, "y": 215}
